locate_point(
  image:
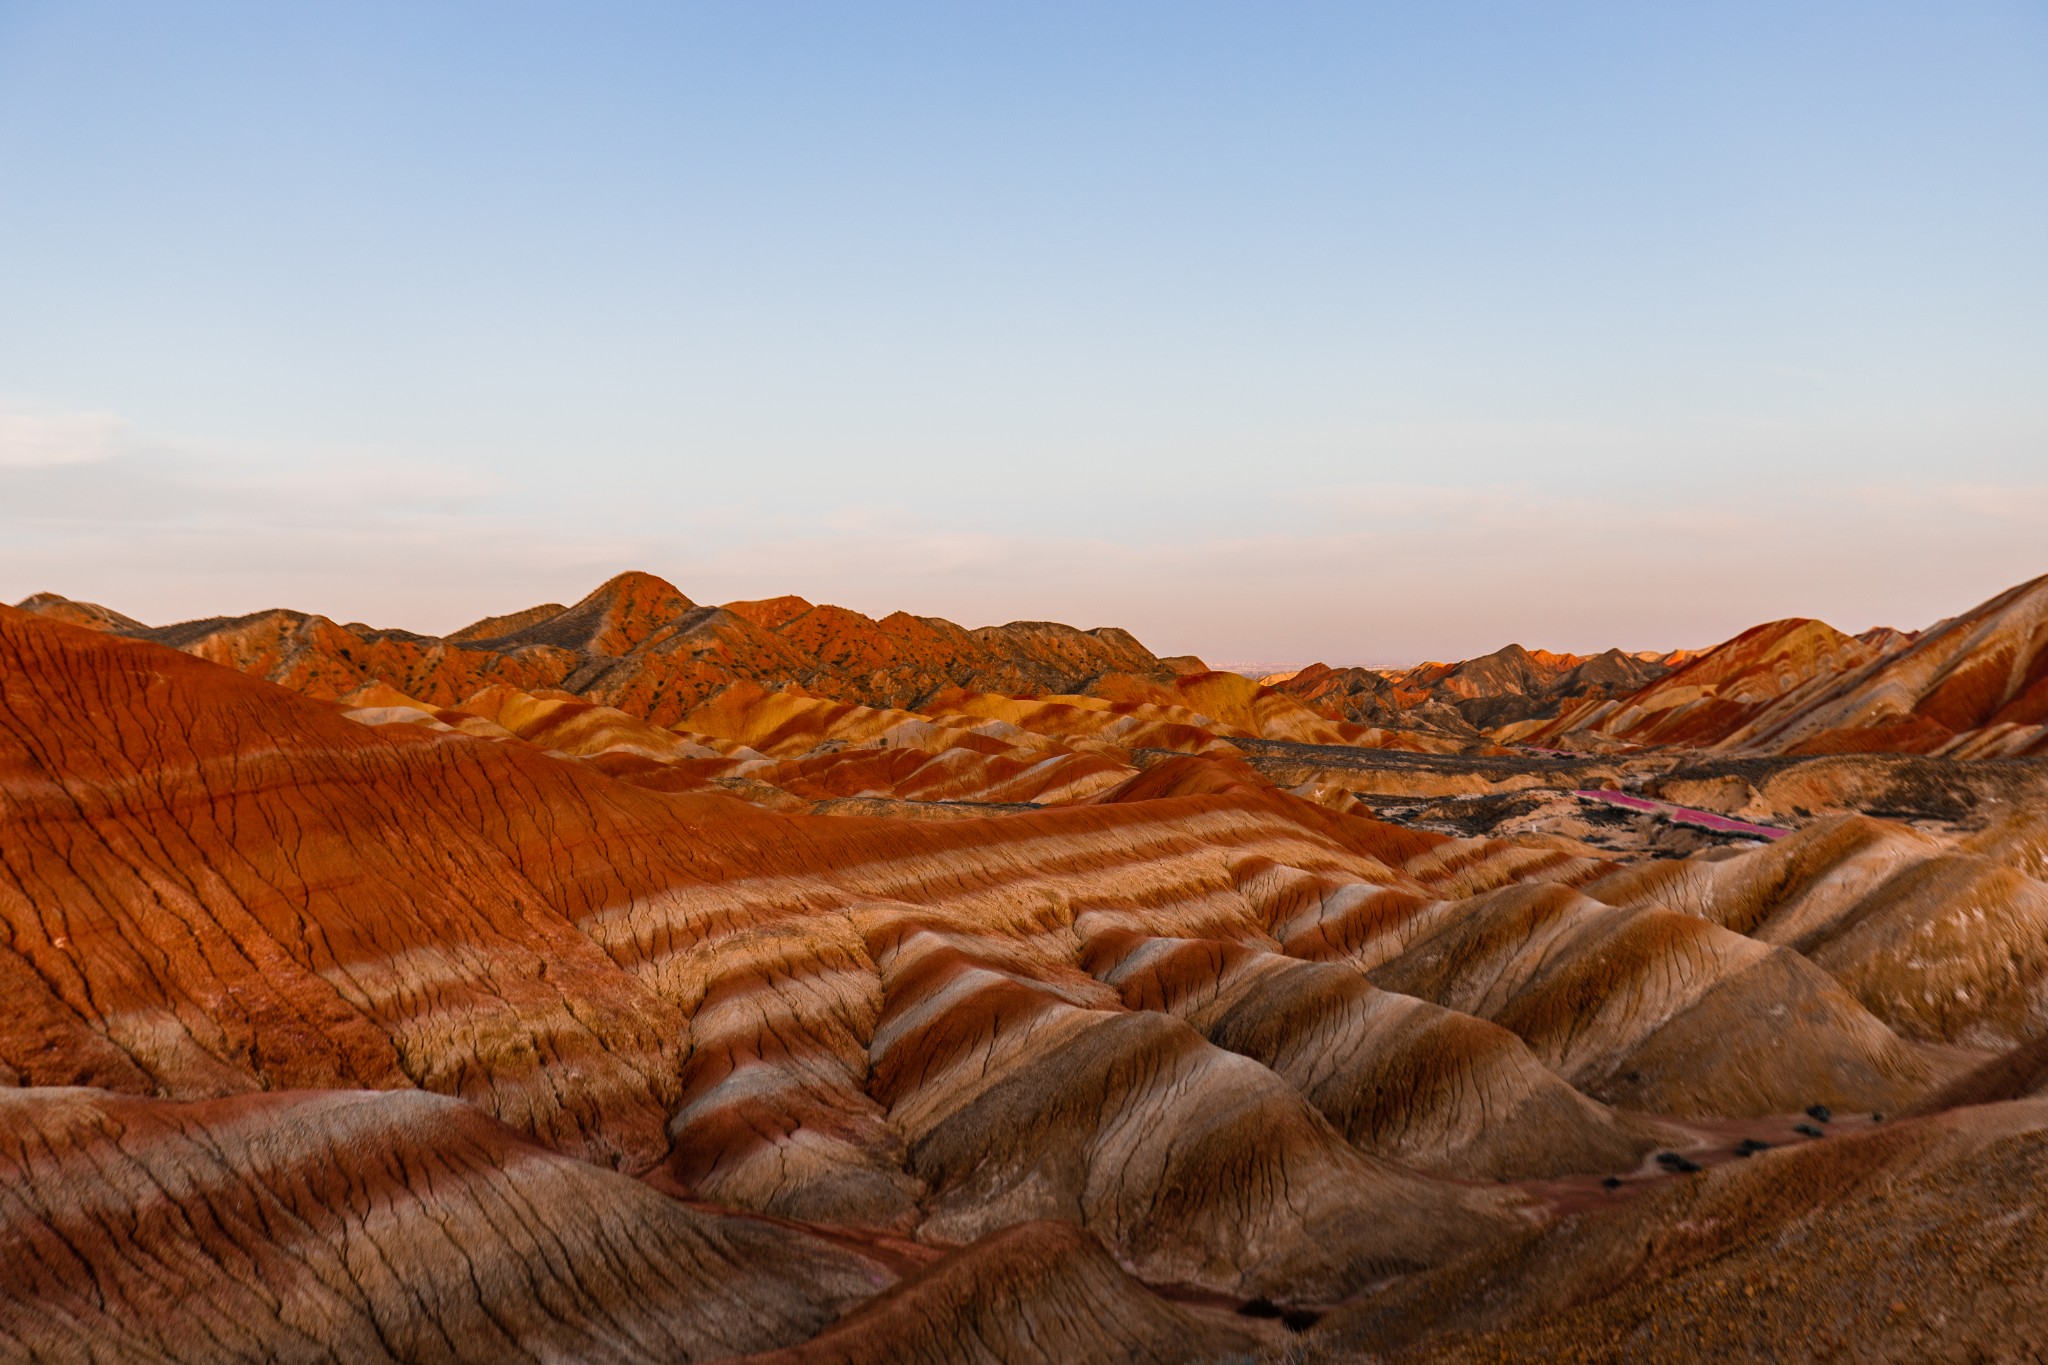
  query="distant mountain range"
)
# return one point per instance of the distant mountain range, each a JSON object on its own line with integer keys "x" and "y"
{"x": 1973, "y": 685}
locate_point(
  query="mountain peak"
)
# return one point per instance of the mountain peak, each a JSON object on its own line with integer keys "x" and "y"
{"x": 615, "y": 618}
{"x": 91, "y": 615}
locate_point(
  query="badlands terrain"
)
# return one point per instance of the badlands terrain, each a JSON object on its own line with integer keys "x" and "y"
{"x": 638, "y": 980}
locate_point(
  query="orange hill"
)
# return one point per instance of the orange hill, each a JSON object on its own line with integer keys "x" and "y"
{"x": 1974, "y": 686}
{"x": 391, "y": 1028}
{"x": 638, "y": 644}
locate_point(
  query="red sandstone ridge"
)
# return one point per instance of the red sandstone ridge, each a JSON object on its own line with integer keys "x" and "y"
{"x": 778, "y": 702}
{"x": 1469, "y": 698}
{"x": 639, "y": 644}
{"x": 1973, "y": 686}
{"x": 1716, "y": 693}
{"x": 481, "y": 1021}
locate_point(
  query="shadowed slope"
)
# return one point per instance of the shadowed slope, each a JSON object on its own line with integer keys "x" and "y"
{"x": 1019, "y": 1101}
{"x": 1035, "y": 1294}
{"x": 623, "y": 614}
{"x": 1513, "y": 683}
{"x": 1232, "y": 704}
{"x": 1400, "y": 1077}
{"x": 346, "y": 1226}
{"x": 1945, "y": 946}
{"x": 1646, "y": 1009}
{"x": 1912, "y": 1242}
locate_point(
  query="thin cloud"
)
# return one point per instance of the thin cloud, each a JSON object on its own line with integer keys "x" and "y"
{"x": 2026, "y": 504}
{"x": 84, "y": 469}
{"x": 42, "y": 440}
{"x": 1380, "y": 572}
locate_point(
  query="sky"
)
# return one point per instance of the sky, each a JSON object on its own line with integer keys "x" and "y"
{"x": 1363, "y": 333}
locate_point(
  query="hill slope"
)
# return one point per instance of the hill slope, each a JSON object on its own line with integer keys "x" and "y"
{"x": 366, "y": 1025}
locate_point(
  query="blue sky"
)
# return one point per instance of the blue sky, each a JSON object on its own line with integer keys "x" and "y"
{"x": 1275, "y": 332}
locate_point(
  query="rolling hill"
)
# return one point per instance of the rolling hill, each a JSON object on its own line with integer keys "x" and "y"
{"x": 641, "y": 981}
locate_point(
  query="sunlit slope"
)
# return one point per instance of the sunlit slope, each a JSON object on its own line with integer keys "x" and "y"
{"x": 1970, "y": 687}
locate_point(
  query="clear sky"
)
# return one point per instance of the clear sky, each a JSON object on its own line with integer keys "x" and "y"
{"x": 1270, "y": 331}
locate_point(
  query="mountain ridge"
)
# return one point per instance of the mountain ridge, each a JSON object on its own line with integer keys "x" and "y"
{"x": 1045, "y": 1024}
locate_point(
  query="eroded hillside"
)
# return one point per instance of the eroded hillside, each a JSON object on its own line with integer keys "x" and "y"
{"x": 644, "y": 981}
